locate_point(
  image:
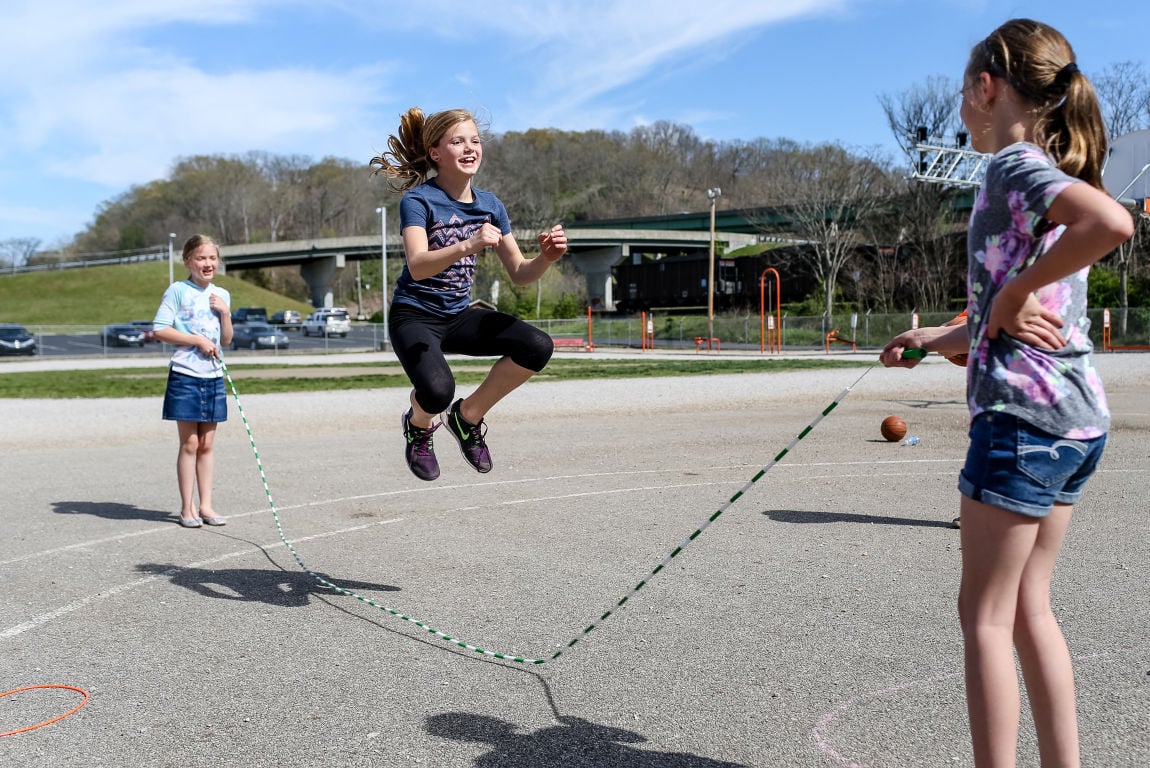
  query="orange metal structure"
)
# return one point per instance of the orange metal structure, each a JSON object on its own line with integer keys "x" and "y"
{"x": 770, "y": 333}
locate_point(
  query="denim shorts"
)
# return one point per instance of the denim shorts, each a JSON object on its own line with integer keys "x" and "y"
{"x": 1014, "y": 466}
{"x": 190, "y": 398}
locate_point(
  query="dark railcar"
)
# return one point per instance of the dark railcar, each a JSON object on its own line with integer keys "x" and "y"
{"x": 680, "y": 282}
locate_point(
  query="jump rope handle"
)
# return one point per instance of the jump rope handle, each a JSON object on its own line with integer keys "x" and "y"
{"x": 917, "y": 353}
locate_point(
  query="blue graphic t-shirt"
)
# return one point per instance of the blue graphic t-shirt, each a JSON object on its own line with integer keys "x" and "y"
{"x": 185, "y": 307}
{"x": 447, "y": 222}
{"x": 1058, "y": 391}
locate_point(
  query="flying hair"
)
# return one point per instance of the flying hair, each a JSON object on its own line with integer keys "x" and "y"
{"x": 407, "y": 162}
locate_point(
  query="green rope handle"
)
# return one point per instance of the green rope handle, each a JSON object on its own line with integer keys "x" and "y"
{"x": 590, "y": 627}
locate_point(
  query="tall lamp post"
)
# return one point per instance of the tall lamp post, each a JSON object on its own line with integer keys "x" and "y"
{"x": 383, "y": 259}
{"x": 171, "y": 258}
{"x": 712, "y": 195}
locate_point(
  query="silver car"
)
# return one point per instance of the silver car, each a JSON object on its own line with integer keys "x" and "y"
{"x": 258, "y": 336}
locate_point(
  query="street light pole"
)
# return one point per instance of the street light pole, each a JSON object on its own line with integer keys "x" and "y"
{"x": 171, "y": 260}
{"x": 383, "y": 260}
{"x": 713, "y": 196}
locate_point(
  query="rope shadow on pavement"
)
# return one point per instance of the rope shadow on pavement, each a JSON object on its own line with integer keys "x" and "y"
{"x": 811, "y": 516}
{"x": 274, "y": 587}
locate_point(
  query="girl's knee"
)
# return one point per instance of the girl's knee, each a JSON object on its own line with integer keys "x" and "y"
{"x": 436, "y": 399}
{"x": 536, "y": 352}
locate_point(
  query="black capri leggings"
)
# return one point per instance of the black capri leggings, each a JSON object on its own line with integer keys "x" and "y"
{"x": 421, "y": 340}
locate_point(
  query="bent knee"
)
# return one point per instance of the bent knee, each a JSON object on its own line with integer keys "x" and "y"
{"x": 536, "y": 352}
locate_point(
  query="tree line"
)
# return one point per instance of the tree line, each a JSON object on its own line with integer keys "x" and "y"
{"x": 856, "y": 209}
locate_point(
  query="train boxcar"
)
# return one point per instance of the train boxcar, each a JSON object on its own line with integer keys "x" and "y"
{"x": 680, "y": 282}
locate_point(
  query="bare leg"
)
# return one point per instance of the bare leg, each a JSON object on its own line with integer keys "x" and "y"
{"x": 996, "y": 546}
{"x": 205, "y": 468}
{"x": 504, "y": 377}
{"x": 419, "y": 417}
{"x": 186, "y": 467}
{"x": 1046, "y": 665}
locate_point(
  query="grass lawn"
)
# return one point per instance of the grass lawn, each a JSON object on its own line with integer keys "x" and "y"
{"x": 260, "y": 379}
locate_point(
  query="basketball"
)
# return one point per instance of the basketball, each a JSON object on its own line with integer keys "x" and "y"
{"x": 893, "y": 429}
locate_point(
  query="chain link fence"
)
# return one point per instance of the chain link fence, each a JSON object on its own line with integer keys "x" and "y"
{"x": 802, "y": 333}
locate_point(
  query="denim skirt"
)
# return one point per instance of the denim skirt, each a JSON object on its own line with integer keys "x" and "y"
{"x": 190, "y": 398}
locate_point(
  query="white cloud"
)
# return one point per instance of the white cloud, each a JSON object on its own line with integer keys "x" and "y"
{"x": 135, "y": 123}
{"x": 103, "y": 96}
{"x": 578, "y": 52}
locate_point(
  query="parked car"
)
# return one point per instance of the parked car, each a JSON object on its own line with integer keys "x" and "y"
{"x": 250, "y": 315}
{"x": 288, "y": 320}
{"x": 15, "y": 340}
{"x": 147, "y": 326}
{"x": 330, "y": 321}
{"x": 259, "y": 336}
{"x": 122, "y": 335}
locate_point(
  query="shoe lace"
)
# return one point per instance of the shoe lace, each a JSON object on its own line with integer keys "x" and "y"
{"x": 475, "y": 432}
{"x": 422, "y": 439}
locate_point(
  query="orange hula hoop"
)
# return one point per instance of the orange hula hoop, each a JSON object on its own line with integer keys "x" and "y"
{"x": 72, "y": 711}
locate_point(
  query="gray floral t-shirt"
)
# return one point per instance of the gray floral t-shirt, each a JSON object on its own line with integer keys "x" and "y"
{"x": 1058, "y": 392}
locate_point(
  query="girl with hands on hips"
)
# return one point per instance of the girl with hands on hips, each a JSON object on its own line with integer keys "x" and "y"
{"x": 1039, "y": 416}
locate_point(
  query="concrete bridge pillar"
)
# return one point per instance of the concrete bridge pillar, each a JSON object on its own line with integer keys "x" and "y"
{"x": 595, "y": 265}
{"x": 318, "y": 273}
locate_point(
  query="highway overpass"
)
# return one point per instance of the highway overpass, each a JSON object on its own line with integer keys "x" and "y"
{"x": 592, "y": 251}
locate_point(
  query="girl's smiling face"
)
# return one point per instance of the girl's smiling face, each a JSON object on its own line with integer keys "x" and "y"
{"x": 460, "y": 150}
{"x": 202, "y": 264}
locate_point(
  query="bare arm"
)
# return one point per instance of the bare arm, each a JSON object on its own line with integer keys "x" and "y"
{"x": 216, "y": 302}
{"x": 552, "y": 246}
{"x": 946, "y": 340}
{"x": 170, "y": 335}
{"x": 423, "y": 263}
{"x": 1095, "y": 225}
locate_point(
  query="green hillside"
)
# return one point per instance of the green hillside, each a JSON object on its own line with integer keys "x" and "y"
{"x": 110, "y": 294}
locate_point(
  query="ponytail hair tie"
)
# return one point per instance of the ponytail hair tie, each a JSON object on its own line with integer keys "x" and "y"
{"x": 1064, "y": 74}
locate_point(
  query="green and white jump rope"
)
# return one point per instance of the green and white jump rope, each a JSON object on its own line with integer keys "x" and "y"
{"x": 908, "y": 354}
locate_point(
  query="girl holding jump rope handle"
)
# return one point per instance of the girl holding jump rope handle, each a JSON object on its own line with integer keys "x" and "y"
{"x": 446, "y": 223}
{"x": 195, "y": 318}
{"x": 1039, "y": 416}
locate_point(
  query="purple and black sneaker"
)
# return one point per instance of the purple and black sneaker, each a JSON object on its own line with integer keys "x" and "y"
{"x": 470, "y": 438}
{"x": 420, "y": 449}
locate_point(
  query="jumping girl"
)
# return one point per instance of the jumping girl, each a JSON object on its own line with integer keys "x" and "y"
{"x": 446, "y": 223}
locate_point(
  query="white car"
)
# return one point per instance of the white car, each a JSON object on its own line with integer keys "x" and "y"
{"x": 331, "y": 321}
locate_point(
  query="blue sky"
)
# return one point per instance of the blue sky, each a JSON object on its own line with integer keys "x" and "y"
{"x": 96, "y": 97}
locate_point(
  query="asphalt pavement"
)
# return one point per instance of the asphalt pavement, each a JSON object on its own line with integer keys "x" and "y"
{"x": 812, "y": 624}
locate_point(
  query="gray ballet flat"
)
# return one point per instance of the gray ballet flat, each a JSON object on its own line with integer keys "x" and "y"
{"x": 214, "y": 520}
{"x": 190, "y": 523}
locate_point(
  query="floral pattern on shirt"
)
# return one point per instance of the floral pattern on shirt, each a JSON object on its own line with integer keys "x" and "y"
{"x": 1059, "y": 391}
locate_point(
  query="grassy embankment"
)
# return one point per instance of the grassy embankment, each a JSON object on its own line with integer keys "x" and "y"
{"x": 102, "y": 295}
{"x": 111, "y": 294}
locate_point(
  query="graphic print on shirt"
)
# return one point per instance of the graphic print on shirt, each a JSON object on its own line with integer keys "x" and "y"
{"x": 458, "y": 277}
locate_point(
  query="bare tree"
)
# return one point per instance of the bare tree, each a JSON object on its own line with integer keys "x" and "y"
{"x": 17, "y": 251}
{"x": 1124, "y": 96}
{"x": 924, "y": 218}
{"x": 930, "y": 108}
{"x": 831, "y": 191}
